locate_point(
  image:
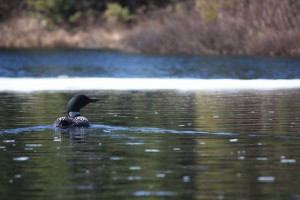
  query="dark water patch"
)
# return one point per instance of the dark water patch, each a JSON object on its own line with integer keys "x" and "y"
{"x": 110, "y": 165}
{"x": 240, "y": 112}
{"x": 99, "y": 63}
{"x": 152, "y": 144}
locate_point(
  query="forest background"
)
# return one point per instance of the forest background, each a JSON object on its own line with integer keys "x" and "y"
{"x": 209, "y": 27}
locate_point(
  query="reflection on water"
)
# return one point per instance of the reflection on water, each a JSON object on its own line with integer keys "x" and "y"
{"x": 260, "y": 112}
{"x": 99, "y": 63}
{"x": 156, "y": 144}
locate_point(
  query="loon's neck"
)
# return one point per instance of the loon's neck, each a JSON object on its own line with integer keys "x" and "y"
{"x": 74, "y": 114}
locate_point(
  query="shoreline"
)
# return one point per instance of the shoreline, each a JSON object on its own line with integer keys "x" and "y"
{"x": 29, "y": 32}
{"x": 148, "y": 37}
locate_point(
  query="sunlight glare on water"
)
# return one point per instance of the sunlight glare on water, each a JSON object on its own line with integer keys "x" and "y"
{"x": 55, "y": 84}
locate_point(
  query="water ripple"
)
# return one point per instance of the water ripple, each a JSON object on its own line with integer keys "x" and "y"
{"x": 109, "y": 130}
{"x": 154, "y": 193}
{"x": 155, "y": 130}
{"x": 26, "y": 129}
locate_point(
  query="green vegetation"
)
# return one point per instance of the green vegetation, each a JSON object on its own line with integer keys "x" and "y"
{"x": 209, "y": 9}
{"x": 58, "y": 12}
{"x": 116, "y": 13}
{"x": 69, "y": 12}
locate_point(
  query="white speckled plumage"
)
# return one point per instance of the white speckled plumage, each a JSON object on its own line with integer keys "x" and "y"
{"x": 68, "y": 122}
{"x": 74, "y": 119}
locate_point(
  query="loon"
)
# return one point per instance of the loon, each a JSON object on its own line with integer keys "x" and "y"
{"x": 74, "y": 118}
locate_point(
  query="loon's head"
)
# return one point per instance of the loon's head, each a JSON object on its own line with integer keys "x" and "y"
{"x": 76, "y": 103}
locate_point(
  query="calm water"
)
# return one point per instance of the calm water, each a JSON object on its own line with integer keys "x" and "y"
{"x": 99, "y": 63}
{"x": 150, "y": 144}
{"x": 160, "y": 144}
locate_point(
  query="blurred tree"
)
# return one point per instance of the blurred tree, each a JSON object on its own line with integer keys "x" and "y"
{"x": 133, "y": 5}
{"x": 56, "y": 11}
{"x": 70, "y": 12}
{"x": 116, "y": 13}
{"x": 9, "y": 8}
{"x": 209, "y": 9}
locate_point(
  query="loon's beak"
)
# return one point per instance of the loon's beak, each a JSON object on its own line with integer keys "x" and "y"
{"x": 94, "y": 100}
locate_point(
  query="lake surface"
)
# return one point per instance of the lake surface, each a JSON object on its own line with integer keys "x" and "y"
{"x": 100, "y": 63}
{"x": 236, "y": 140}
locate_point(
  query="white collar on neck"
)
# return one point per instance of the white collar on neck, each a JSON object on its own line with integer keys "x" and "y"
{"x": 74, "y": 114}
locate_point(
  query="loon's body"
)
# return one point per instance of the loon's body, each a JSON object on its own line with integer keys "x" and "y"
{"x": 74, "y": 118}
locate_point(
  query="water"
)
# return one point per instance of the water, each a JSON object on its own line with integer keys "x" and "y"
{"x": 158, "y": 144}
{"x": 236, "y": 140}
{"x": 99, "y": 63}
